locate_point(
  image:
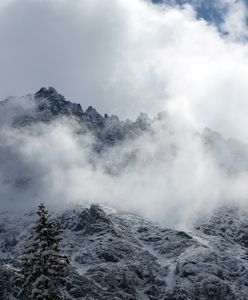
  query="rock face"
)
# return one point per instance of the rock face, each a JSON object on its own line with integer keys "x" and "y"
{"x": 122, "y": 256}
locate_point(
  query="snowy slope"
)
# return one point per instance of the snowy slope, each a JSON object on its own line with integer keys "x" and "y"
{"x": 122, "y": 256}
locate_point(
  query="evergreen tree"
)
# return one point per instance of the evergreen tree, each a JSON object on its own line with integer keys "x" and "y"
{"x": 44, "y": 269}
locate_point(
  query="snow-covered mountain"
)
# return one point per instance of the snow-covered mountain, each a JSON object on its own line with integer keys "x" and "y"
{"x": 116, "y": 254}
{"x": 123, "y": 256}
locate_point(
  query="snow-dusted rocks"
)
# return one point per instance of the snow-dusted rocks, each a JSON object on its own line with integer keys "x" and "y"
{"x": 122, "y": 256}
{"x": 88, "y": 221}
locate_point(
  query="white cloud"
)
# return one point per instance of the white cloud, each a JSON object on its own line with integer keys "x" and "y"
{"x": 171, "y": 180}
{"x": 126, "y": 56}
{"x": 236, "y": 20}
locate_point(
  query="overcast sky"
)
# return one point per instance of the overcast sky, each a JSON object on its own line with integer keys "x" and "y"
{"x": 127, "y": 56}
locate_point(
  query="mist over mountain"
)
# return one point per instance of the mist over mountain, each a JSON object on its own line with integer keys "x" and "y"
{"x": 150, "y": 237}
{"x": 140, "y": 154}
{"x": 52, "y": 148}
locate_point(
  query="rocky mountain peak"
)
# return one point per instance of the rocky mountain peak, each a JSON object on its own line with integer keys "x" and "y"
{"x": 49, "y": 93}
{"x": 53, "y": 103}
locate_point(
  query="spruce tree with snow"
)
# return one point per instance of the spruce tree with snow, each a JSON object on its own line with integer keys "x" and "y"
{"x": 44, "y": 269}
